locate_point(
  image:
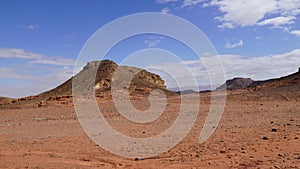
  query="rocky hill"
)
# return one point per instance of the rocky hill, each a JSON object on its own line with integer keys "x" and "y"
{"x": 292, "y": 80}
{"x": 97, "y": 76}
{"x": 236, "y": 83}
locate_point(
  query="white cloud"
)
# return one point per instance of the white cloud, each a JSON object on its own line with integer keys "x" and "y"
{"x": 34, "y": 57}
{"x": 257, "y": 68}
{"x": 243, "y": 13}
{"x": 295, "y": 32}
{"x": 234, "y": 45}
{"x": 288, "y": 7}
{"x": 278, "y": 21}
{"x": 25, "y": 84}
{"x": 32, "y": 26}
{"x": 165, "y": 11}
{"x": 226, "y": 25}
{"x": 72, "y": 35}
{"x": 165, "y": 1}
{"x": 10, "y": 73}
{"x": 152, "y": 42}
{"x": 258, "y": 38}
{"x": 248, "y": 13}
{"x": 32, "y": 73}
{"x": 187, "y": 3}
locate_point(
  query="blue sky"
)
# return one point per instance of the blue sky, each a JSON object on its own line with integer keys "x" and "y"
{"x": 40, "y": 40}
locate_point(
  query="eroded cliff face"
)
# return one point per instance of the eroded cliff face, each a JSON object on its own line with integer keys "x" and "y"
{"x": 109, "y": 73}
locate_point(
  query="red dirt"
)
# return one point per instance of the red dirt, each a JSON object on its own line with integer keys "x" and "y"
{"x": 50, "y": 136}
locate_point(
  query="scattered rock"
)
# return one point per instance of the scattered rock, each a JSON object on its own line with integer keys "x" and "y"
{"x": 274, "y": 130}
{"x": 265, "y": 138}
{"x": 280, "y": 155}
{"x": 40, "y": 104}
{"x": 39, "y": 119}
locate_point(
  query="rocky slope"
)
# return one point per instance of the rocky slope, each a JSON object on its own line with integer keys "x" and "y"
{"x": 5, "y": 100}
{"x": 290, "y": 80}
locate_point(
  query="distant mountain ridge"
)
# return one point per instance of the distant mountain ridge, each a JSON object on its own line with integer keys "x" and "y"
{"x": 247, "y": 83}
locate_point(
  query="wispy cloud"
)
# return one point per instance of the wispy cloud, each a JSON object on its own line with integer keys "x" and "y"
{"x": 187, "y": 3}
{"x": 278, "y": 21}
{"x": 10, "y": 73}
{"x": 295, "y": 32}
{"x": 258, "y": 38}
{"x": 24, "y": 83}
{"x": 35, "y": 58}
{"x": 29, "y": 26}
{"x": 153, "y": 41}
{"x": 31, "y": 73}
{"x": 165, "y": 1}
{"x": 72, "y": 35}
{"x": 234, "y": 45}
{"x": 165, "y": 11}
{"x": 32, "y": 26}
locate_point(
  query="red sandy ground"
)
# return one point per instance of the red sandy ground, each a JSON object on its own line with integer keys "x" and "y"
{"x": 51, "y": 137}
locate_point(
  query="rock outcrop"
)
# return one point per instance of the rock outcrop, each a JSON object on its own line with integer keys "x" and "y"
{"x": 236, "y": 83}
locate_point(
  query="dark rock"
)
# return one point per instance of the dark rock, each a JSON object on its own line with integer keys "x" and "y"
{"x": 40, "y": 104}
{"x": 187, "y": 92}
{"x": 236, "y": 83}
{"x": 274, "y": 130}
{"x": 265, "y": 138}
